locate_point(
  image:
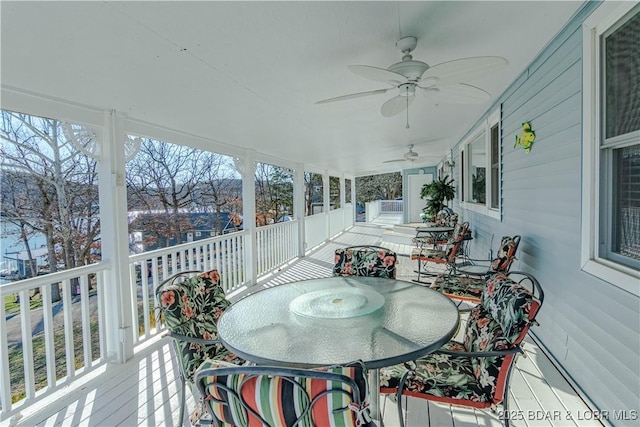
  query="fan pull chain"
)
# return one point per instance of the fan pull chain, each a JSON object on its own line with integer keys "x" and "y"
{"x": 407, "y": 108}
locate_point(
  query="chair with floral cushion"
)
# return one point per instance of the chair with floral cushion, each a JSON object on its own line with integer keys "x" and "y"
{"x": 444, "y": 218}
{"x": 468, "y": 282}
{"x": 426, "y": 255}
{"x": 190, "y": 306}
{"x": 475, "y": 373}
{"x": 368, "y": 260}
{"x": 282, "y": 397}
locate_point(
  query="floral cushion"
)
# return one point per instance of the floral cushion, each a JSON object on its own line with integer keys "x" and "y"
{"x": 446, "y": 219}
{"x": 191, "y": 307}
{"x": 281, "y": 401}
{"x": 510, "y": 304}
{"x": 459, "y": 287}
{"x": 365, "y": 261}
{"x": 499, "y": 322}
{"x": 506, "y": 253}
{"x": 429, "y": 254}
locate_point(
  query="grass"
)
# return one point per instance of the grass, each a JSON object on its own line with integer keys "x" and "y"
{"x": 12, "y": 306}
{"x": 16, "y": 363}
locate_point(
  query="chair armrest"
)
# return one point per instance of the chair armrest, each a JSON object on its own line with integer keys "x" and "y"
{"x": 193, "y": 339}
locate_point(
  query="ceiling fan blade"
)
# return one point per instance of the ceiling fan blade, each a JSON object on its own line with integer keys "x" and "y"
{"x": 396, "y": 105}
{"x": 457, "y": 94}
{"x": 394, "y": 160}
{"x": 461, "y": 70}
{"x": 378, "y": 74}
{"x": 353, "y": 95}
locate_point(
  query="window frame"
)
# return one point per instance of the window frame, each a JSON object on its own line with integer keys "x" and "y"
{"x": 494, "y": 119}
{"x": 606, "y": 17}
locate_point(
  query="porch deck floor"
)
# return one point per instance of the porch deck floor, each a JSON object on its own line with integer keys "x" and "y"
{"x": 143, "y": 392}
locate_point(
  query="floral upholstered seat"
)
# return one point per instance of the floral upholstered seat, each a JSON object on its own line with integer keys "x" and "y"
{"x": 474, "y": 372}
{"x": 468, "y": 286}
{"x": 190, "y": 308}
{"x": 372, "y": 261}
{"x": 459, "y": 286}
{"x": 284, "y": 397}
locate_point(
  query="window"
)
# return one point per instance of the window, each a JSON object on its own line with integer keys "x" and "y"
{"x": 495, "y": 166}
{"x": 480, "y": 176}
{"x": 611, "y": 125}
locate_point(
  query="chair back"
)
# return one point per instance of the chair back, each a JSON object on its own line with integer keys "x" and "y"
{"x": 190, "y": 306}
{"x": 457, "y": 238}
{"x": 446, "y": 218}
{"x": 506, "y": 254}
{"x": 500, "y": 322}
{"x": 277, "y": 396}
{"x": 372, "y": 261}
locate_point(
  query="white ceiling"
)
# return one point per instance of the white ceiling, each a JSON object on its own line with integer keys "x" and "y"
{"x": 248, "y": 74}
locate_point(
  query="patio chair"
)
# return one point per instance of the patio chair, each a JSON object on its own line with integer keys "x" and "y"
{"x": 281, "y": 397}
{"x": 468, "y": 282}
{"x": 367, "y": 260}
{"x": 190, "y": 307}
{"x": 474, "y": 373}
{"x": 426, "y": 255}
{"x": 444, "y": 218}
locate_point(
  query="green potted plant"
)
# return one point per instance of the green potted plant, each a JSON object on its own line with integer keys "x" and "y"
{"x": 437, "y": 193}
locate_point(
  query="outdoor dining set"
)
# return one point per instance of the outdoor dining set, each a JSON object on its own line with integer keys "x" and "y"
{"x": 322, "y": 351}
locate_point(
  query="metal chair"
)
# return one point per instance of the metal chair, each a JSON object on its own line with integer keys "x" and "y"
{"x": 190, "y": 307}
{"x": 365, "y": 260}
{"x": 475, "y": 373}
{"x": 446, "y": 257}
{"x": 282, "y": 397}
{"x": 468, "y": 282}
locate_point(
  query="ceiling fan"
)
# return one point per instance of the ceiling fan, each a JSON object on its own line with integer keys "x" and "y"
{"x": 409, "y": 155}
{"x": 441, "y": 83}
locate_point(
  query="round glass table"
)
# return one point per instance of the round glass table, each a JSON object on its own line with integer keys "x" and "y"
{"x": 337, "y": 320}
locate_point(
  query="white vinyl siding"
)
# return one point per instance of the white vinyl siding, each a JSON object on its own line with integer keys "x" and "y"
{"x": 589, "y": 322}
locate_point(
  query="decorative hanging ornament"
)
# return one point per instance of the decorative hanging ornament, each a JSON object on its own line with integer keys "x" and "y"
{"x": 525, "y": 140}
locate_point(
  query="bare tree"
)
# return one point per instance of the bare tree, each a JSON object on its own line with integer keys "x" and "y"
{"x": 387, "y": 186}
{"x": 165, "y": 177}
{"x": 60, "y": 199}
{"x": 313, "y": 191}
{"x": 221, "y": 189}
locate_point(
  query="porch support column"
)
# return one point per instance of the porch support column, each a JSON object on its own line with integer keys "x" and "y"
{"x": 299, "y": 206}
{"x": 247, "y": 168}
{"x": 354, "y": 201}
{"x": 343, "y": 202}
{"x": 115, "y": 240}
{"x": 326, "y": 203}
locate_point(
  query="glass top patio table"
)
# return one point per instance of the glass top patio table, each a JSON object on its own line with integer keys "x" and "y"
{"x": 337, "y": 320}
{"x": 436, "y": 232}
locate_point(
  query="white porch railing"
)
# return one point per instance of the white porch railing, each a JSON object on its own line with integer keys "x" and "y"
{"x": 390, "y": 206}
{"x": 79, "y": 327}
{"x": 381, "y": 207}
{"x": 224, "y": 253}
{"x": 31, "y": 349}
{"x": 276, "y": 244}
{"x": 315, "y": 229}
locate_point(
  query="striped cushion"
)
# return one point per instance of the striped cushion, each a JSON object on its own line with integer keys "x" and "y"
{"x": 279, "y": 401}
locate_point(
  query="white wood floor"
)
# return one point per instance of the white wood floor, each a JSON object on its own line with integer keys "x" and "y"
{"x": 143, "y": 392}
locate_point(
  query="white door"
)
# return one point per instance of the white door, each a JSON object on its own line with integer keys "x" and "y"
{"x": 414, "y": 202}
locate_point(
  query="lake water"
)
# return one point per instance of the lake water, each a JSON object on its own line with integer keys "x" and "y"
{"x": 11, "y": 245}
